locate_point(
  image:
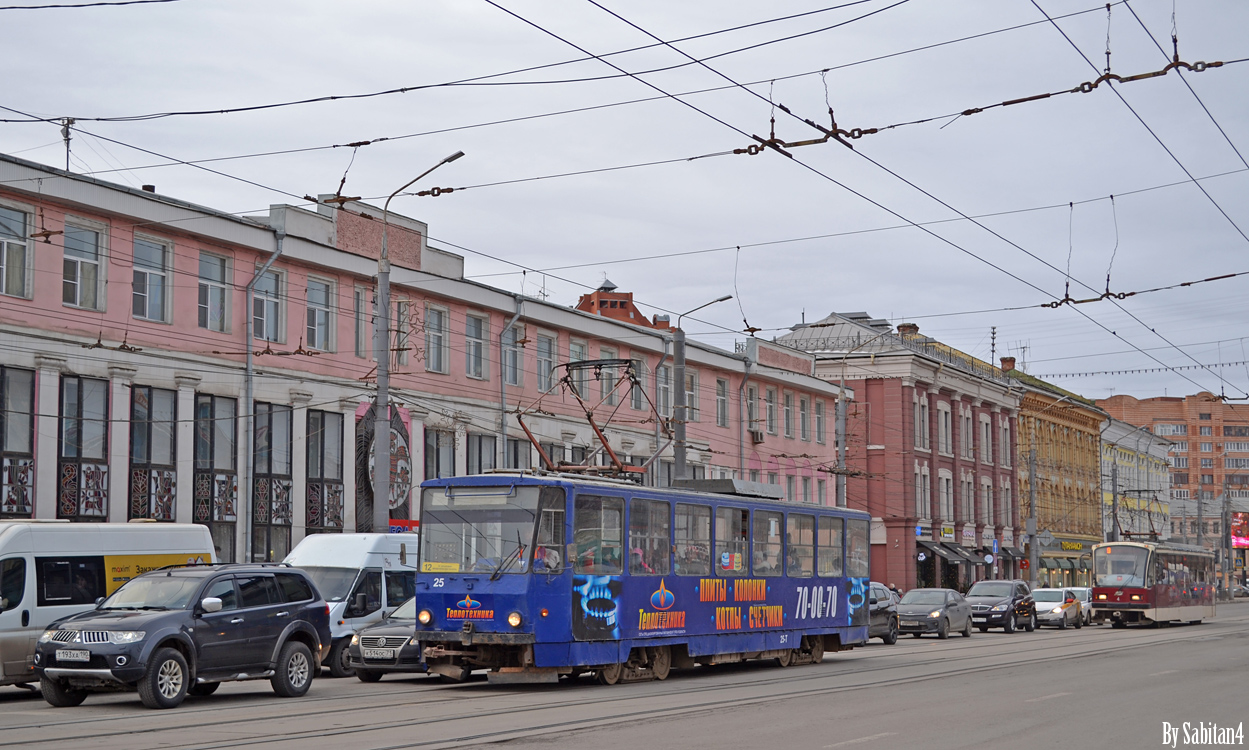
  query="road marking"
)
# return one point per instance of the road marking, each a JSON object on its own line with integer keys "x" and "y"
{"x": 1167, "y": 671}
{"x": 1046, "y": 697}
{"x": 860, "y": 740}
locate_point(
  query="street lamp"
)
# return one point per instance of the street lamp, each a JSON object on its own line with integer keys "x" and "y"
{"x": 381, "y": 350}
{"x": 678, "y": 364}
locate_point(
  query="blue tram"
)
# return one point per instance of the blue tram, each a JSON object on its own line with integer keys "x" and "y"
{"x": 537, "y": 576}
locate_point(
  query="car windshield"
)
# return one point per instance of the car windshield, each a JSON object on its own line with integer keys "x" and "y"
{"x": 477, "y": 529}
{"x": 1047, "y": 595}
{"x": 1120, "y": 565}
{"x": 992, "y": 588}
{"x": 1082, "y": 593}
{"x": 154, "y": 592}
{"x": 333, "y": 583}
{"x": 923, "y": 597}
{"x": 406, "y": 611}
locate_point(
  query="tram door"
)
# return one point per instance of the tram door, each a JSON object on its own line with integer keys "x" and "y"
{"x": 551, "y": 580}
{"x": 598, "y": 554}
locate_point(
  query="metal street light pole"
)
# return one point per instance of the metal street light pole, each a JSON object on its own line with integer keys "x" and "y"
{"x": 678, "y": 411}
{"x": 381, "y": 350}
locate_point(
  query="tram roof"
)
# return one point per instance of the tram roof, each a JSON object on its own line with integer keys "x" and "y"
{"x": 531, "y": 477}
{"x": 1165, "y": 546}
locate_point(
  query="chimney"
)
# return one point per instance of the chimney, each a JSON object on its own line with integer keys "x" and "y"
{"x": 908, "y": 329}
{"x": 1008, "y": 364}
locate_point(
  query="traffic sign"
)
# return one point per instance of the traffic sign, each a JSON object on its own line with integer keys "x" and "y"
{"x": 1045, "y": 538}
{"x": 988, "y": 558}
{"x": 1023, "y": 564}
{"x": 995, "y": 549}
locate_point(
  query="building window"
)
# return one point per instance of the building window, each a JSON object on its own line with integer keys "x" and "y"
{"x": 791, "y": 488}
{"x": 1204, "y": 417}
{"x": 579, "y": 351}
{"x": 1232, "y": 463}
{"x": 475, "y": 330}
{"x": 153, "y": 452}
{"x": 151, "y": 280}
{"x": 403, "y": 330}
{"x": 1008, "y": 512}
{"x": 326, "y": 508}
{"x": 436, "y": 327}
{"x": 752, "y": 408}
{"x": 271, "y": 493}
{"x": 769, "y": 399}
{"x": 267, "y": 307}
{"x": 607, "y": 378}
{"x": 1207, "y": 463}
{"x": 986, "y": 502}
{"x": 968, "y": 497}
{"x": 636, "y": 396}
{"x": 806, "y": 489}
{"x": 216, "y": 474}
{"x": 1004, "y": 450}
{"x": 1170, "y": 429}
{"x": 319, "y": 315}
{"x": 804, "y": 418}
{"x": 1236, "y": 447}
{"x": 361, "y": 322}
{"x": 945, "y": 443}
{"x": 14, "y": 249}
{"x": 922, "y": 492}
{"x": 1205, "y": 431}
{"x": 481, "y": 450}
{"x": 513, "y": 362}
{"x": 439, "y": 454}
{"x": 80, "y": 285}
{"x": 17, "y": 439}
{"x": 722, "y": 403}
{"x": 516, "y": 454}
{"x": 789, "y": 414}
{"x": 213, "y": 296}
{"x": 945, "y": 495}
{"x": 663, "y": 388}
{"x": 546, "y": 362}
{"x": 819, "y": 422}
{"x": 821, "y": 492}
{"x": 1178, "y": 462}
{"x": 1207, "y": 447}
{"x": 920, "y": 422}
{"x": 691, "y": 397}
{"x": 986, "y": 440}
{"x": 83, "y": 449}
{"x": 966, "y": 435}
{"x": 1207, "y": 479}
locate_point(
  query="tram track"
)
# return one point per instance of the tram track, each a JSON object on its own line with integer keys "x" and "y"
{"x": 366, "y": 703}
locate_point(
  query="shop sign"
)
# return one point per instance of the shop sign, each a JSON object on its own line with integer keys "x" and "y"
{"x": 919, "y": 531}
{"x": 969, "y": 535}
{"x": 1072, "y": 546}
{"x": 1008, "y": 537}
{"x": 947, "y": 531}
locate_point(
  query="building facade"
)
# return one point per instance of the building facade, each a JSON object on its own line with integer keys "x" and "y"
{"x": 1135, "y": 483}
{"x": 930, "y": 443}
{"x": 167, "y": 361}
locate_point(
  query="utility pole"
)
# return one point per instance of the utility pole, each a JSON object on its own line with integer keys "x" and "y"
{"x": 1201, "y": 522}
{"x": 1226, "y": 543}
{"x": 841, "y": 448}
{"x": 1114, "y": 500}
{"x": 1031, "y": 527}
{"x": 678, "y": 401}
{"x": 381, "y": 349}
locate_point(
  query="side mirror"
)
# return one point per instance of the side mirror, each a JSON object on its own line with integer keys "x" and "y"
{"x": 873, "y": 600}
{"x": 1068, "y": 600}
{"x": 98, "y": 600}
{"x": 211, "y": 604}
{"x": 362, "y": 602}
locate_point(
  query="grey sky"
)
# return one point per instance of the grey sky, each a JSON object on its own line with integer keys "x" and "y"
{"x": 215, "y": 54}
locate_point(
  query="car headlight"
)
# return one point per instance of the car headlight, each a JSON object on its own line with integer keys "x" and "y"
{"x": 120, "y": 637}
{"x": 514, "y": 619}
{"x": 1000, "y": 608}
{"x": 355, "y": 639}
{"x": 415, "y": 641}
{"x": 935, "y": 614}
{"x": 47, "y": 636}
{"x": 424, "y": 617}
{"x": 1056, "y": 610}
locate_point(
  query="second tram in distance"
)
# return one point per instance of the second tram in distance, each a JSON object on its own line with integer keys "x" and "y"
{"x": 1152, "y": 582}
{"x": 537, "y": 576}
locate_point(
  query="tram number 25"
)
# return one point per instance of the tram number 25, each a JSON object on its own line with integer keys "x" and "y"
{"x": 440, "y": 582}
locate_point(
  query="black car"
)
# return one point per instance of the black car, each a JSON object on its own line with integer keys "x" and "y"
{"x": 882, "y": 610}
{"x": 1002, "y": 604}
{"x": 940, "y": 611}
{"x": 387, "y": 646}
{"x": 186, "y": 629}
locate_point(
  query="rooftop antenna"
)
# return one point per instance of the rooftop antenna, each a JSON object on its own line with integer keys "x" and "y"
{"x": 992, "y": 344}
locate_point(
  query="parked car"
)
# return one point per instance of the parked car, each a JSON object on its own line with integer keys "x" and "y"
{"x": 937, "y": 611}
{"x": 1057, "y": 607}
{"x": 387, "y": 646}
{"x": 1002, "y": 604}
{"x": 1239, "y": 591}
{"x": 183, "y": 630}
{"x": 882, "y": 614}
{"x": 1085, "y": 596}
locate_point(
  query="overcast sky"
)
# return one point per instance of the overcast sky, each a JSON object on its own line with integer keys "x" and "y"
{"x": 829, "y": 230}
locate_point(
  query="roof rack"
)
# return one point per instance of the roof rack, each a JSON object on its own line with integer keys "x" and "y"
{"x": 223, "y": 565}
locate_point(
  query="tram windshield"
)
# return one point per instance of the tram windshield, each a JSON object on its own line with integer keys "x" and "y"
{"x": 1120, "y": 565}
{"x": 479, "y": 529}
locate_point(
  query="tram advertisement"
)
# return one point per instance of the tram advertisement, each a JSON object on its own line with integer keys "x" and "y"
{"x": 614, "y": 607}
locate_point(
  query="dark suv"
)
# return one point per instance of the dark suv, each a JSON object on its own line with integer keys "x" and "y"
{"x": 184, "y": 630}
{"x": 882, "y": 614}
{"x": 1002, "y": 604}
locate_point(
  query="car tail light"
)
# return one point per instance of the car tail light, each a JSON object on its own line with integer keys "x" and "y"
{"x": 327, "y": 609}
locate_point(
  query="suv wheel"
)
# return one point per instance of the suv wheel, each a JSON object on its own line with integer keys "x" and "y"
{"x": 57, "y": 694}
{"x": 294, "y": 672}
{"x": 891, "y": 637}
{"x": 165, "y": 683}
{"x": 1030, "y": 625}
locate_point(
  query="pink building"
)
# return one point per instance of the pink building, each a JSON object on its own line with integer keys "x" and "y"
{"x": 930, "y": 446}
{"x": 125, "y": 325}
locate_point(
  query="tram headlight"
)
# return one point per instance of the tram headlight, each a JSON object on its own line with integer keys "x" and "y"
{"x": 1101, "y": 597}
{"x": 1136, "y": 597}
{"x": 935, "y": 614}
{"x": 424, "y": 617}
{"x": 514, "y": 619}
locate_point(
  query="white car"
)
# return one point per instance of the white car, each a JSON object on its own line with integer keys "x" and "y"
{"x": 1057, "y": 607}
{"x": 1085, "y": 597}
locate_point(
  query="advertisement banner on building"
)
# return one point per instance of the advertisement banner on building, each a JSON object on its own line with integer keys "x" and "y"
{"x": 1240, "y": 530}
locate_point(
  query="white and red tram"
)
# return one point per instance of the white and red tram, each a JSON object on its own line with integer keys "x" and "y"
{"x": 1152, "y": 582}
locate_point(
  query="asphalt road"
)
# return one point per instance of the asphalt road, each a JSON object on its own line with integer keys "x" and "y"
{"x": 1094, "y": 687}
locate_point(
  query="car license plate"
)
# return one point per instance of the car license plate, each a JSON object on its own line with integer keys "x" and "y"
{"x": 979, "y": 617}
{"x": 909, "y": 623}
{"x": 66, "y": 654}
{"x": 379, "y": 653}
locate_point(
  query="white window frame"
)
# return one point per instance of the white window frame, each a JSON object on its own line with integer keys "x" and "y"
{"x": 545, "y": 361}
{"x": 100, "y": 262}
{"x": 579, "y": 350}
{"x": 403, "y": 330}
{"x": 663, "y": 390}
{"x": 361, "y": 322}
{"x": 769, "y": 405}
{"x": 819, "y": 422}
{"x": 945, "y": 494}
{"x": 165, "y": 272}
{"x": 787, "y": 406}
{"x": 967, "y": 434}
{"x": 437, "y": 344}
{"x": 945, "y": 427}
{"x": 804, "y": 418}
{"x": 722, "y": 402}
{"x": 692, "y": 411}
{"x": 1004, "y": 452}
{"x": 209, "y": 287}
{"x": 11, "y": 244}
{"x": 636, "y": 393}
{"x": 269, "y": 302}
{"x": 513, "y": 365}
{"x": 1006, "y": 510}
{"x": 987, "y": 517}
{"x": 752, "y": 407}
{"x": 821, "y": 492}
{"x": 318, "y": 314}
{"x": 920, "y": 422}
{"x": 923, "y": 491}
{"x": 607, "y": 377}
{"x": 476, "y": 362}
{"x": 791, "y": 488}
{"x": 986, "y": 440}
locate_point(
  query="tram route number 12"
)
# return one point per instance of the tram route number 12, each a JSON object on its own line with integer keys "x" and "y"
{"x": 816, "y": 602}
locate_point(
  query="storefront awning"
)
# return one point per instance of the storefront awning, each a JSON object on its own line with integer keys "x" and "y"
{"x": 965, "y": 553}
{"x": 937, "y": 549}
{"x": 1014, "y": 552}
{"x": 1047, "y": 562}
{"x": 1065, "y": 563}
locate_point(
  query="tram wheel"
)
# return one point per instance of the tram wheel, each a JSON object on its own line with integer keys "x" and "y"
{"x": 1117, "y": 624}
{"x": 817, "y": 645}
{"x": 785, "y": 658}
{"x": 661, "y": 662}
{"x": 610, "y": 674}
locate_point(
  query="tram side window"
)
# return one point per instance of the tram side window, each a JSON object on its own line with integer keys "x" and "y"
{"x": 766, "y": 536}
{"x": 648, "y": 538}
{"x": 693, "y": 540}
{"x": 829, "y": 547}
{"x": 69, "y": 580}
{"x": 597, "y": 535}
{"x": 548, "y": 548}
{"x": 857, "y": 549}
{"x": 732, "y": 528}
{"x": 800, "y": 546}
